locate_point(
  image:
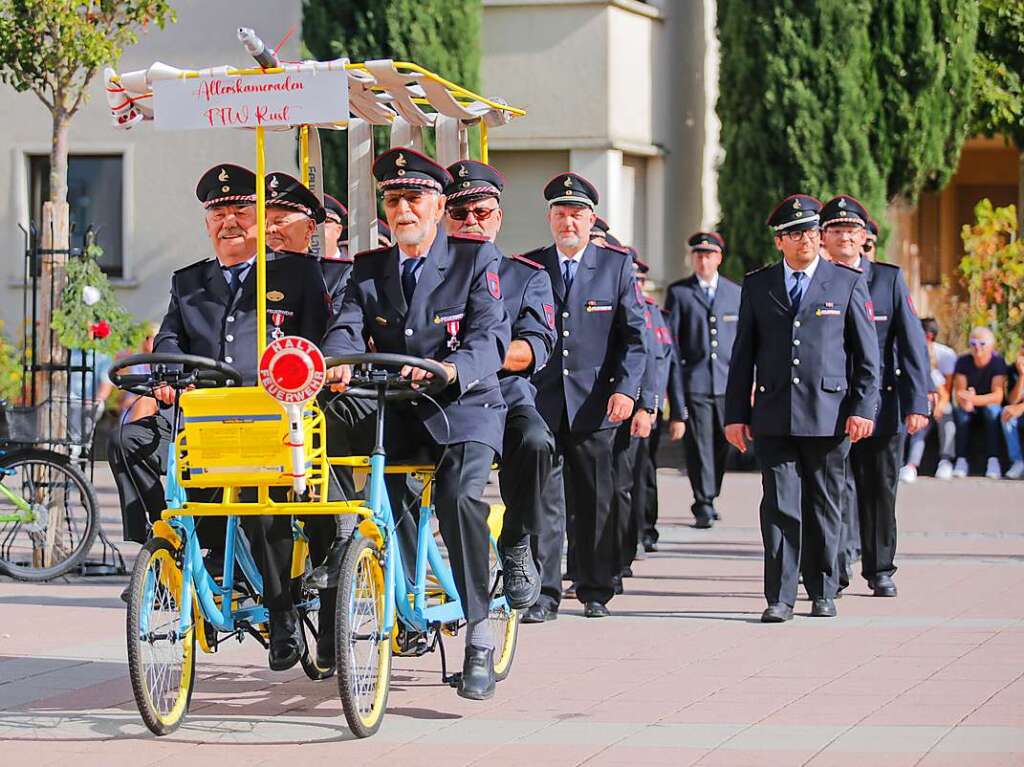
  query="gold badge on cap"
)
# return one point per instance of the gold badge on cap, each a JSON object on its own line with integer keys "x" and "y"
{"x": 463, "y": 172}
{"x": 567, "y": 182}
{"x": 842, "y": 202}
{"x": 273, "y": 187}
{"x": 223, "y": 175}
{"x": 796, "y": 204}
{"x": 275, "y": 295}
{"x": 400, "y": 161}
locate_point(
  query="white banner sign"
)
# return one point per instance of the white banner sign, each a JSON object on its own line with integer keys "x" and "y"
{"x": 231, "y": 101}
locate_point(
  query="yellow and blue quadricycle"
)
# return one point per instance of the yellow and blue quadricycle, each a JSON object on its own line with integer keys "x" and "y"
{"x": 262, "y": 450}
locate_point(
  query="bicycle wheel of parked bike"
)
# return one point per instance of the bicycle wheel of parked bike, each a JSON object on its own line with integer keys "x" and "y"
{"x": 503, "y": 621}
{"x": 161, "y": 661}
{"x": 49, "y": 515}
{"x": 362, "y": 645}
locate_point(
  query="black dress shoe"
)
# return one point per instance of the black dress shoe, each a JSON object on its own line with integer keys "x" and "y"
{"x": 823, "y": 608}
{"x": 477, "y": 681}
{"x": 286, "y": 641}
{"x": 539, "y": 614}
{"x": 703, "y": 521}
{"x": 627, "y": 572}
{"x": 882, "y": 586}
{"x": 617, "y": 583}
{"x": 650, "y": 545}
{"x": 595, "y": 610}
{"x": 777, "y": 613}
{"x": 519, "y": 575}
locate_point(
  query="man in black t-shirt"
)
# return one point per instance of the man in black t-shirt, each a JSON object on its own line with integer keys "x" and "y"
{"x": 979, "y": 381}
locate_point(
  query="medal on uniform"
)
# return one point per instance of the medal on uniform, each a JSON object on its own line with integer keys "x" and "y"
{"x": 278, "y": 319}
{"x": 453, "y": 334}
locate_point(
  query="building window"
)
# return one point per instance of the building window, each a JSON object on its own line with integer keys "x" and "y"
{"x": 96, "y": 198}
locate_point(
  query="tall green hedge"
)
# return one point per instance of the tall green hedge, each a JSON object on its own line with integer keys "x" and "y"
{"x": 441, "y": 35}
{"x": 869, "y": 98}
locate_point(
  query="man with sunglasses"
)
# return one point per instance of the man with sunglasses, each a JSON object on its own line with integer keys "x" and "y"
{"x": 438, "y": 297}
{"x": 806, "y": 347}
{"x": 473, "y": 208}
{"x": 212, "y": 313}
{"x": 874, "y": 463}
{"x": 601, "y": 354}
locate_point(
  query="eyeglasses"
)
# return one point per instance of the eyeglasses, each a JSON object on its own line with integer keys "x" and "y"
{"x": 411, "y": 196}
{"x": 810, "y": 234}
{"x": 869, "y": 246}
{"x": 978, "y": 343}
{"x": 480, "y": 214}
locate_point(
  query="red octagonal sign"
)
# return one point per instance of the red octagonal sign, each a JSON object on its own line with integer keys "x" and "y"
{"x": 292, "y": 370}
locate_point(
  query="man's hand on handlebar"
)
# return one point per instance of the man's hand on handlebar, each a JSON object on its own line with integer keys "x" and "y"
{"x": 338, "y": 377}
{"x": 419, "y": 374}
{"x": 165, "y": 393}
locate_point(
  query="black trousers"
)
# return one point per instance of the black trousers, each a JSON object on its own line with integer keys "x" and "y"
{"x": 526, "y": 461}
{"x": 460, "y": 478}
{"x": 548, "y": 541}
{"x": 876, "y": 464}
{"x": 849, "y": 535}
{"x": 592, "y": 490}
{"x": 802, "y": 480}
{"x": 138, "y": 461}
{"x": 706, "y": 450}
{"x": 626, "y": 451}
{"x": 650, "y": 487}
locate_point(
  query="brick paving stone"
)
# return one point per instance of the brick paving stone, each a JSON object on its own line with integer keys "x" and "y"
{"x": 683, "y": 673}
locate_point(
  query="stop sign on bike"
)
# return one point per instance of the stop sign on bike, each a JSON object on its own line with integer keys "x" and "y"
{"x": 292, "y": 370}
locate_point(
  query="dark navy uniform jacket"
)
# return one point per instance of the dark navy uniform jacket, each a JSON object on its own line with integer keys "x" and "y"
{"x": 336, "y": 273}
{"x": 600, "y": 346}
{"x": 204, "y": 319}
{"x": 456, "y": 316}
{"x": 704, "y": 335}
{"x": 530, "y": 304}
{"x": 660, "y": 351}
{"x": 903, "y": 351}
{"x": 814, "y": 369}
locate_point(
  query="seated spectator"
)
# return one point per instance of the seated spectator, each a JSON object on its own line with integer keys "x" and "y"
{"x": 1012, "y": 412}
{"x": 943, "y": 361}
{"x": 979, "y": 382}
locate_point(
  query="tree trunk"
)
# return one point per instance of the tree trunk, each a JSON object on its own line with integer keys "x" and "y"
{"x": 1020, "y": 192}
{"x": 55, "y": 241}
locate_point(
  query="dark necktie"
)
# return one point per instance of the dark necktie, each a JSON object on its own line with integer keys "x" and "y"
{"x": 708, "y": 295}
{"x": 797, "y": 291}
{"x": 569, "y": 272}
{"x": 409, "y": 270}
{"x": 234, "y": 275}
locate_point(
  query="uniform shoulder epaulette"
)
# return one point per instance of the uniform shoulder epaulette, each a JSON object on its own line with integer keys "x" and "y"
{"x": 326, "y": 260}
{"x": 853, "y": 269}
{"x": 616, "y": 248}
{"x": 371, "y": 251}
{"x": 528, "y": 261}
{"x": 470, "y": 236}
{"x": 886, "y": 264}
{"x": 758, "y": 270}
{"x": 196, "y": 265}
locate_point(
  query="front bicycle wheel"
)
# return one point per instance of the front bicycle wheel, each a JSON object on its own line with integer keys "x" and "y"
{"x": 55, "y": 534}
{"x": 362, "y": 645}
{"x": 161, "y": 661}
{"x": 502, "y": 619}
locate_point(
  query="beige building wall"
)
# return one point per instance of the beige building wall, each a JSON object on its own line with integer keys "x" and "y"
{"x": 618, "y": 91}
{"x": 162, "y": 220}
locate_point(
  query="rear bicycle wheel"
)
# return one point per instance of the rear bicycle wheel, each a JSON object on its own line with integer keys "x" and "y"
{"x": 502, "y": 620}
{"x": 362, "y": 645}
{"x": 161, "y": 662}
{"x": 59, "y": 531}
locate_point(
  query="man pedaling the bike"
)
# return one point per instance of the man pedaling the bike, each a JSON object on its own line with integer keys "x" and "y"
{"x": 436, "y": 297}
{"x": 212, "y": 313}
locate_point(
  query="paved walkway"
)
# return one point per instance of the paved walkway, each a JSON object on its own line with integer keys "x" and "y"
{"x": 683, "y": 673}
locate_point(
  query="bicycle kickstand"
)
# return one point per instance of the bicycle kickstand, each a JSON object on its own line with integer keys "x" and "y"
{"x": 452, "y": 680}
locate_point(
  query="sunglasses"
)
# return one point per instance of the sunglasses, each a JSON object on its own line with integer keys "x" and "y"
{"x": 480, "y": 214}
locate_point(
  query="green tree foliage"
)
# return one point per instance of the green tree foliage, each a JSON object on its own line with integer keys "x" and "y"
{"x": 55, "y": 47}
{"x": 441, "y": 35}
{"x": 999, "y": 77}
{"x": 811, "y": 101}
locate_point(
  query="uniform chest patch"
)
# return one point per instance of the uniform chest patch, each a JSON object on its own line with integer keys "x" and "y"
{"x": 827, "y": 309}
{"x": 596, "y": 305}
{"x": 275, "y": 295}
{"x": 730, "y": 317}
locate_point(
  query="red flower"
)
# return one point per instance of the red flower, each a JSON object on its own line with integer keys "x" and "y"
{"x": 100, "y": 329}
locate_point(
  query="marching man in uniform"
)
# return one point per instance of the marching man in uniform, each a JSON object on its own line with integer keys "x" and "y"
{"x": 474, "y": 208}
{"x": 806, "y": 347}
{"x": 703, "y": 314}
{"x": 594, "y": 385}
{"x": 905, "y": 379}
{"x": 437, "y": 297}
